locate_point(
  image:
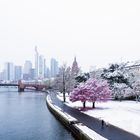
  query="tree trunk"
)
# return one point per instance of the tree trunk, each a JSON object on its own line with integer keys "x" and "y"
{"x": 64, "y": 97}
{"x": 84, "y": 104}
{"x": 93, "y": 105}
{"x": 64, "y": 89}
{"x": 136, "y": 98}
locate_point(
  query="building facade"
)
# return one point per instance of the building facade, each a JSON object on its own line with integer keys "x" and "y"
{"x": 27, "y": 66}
{"x": 41, "y": 67}
{"x": 9, "y": 71}
{"x": 18, "y": 73}
{"x": 54, "y": 67}
{"x": 36, "y": 63}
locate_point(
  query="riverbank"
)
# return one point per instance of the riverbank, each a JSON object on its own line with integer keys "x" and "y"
{"x": 79, "y": 130}
{"x": 126, "y": 116}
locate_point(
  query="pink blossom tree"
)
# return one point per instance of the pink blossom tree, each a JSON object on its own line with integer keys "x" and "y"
{"x": 99, "y": 90}
{"x": 93, "y": 90}
{"x": 80, "y": 93}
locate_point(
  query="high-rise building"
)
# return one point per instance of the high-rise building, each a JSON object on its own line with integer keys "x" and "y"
{"x": 54, "y": 67}
{"x": 9, "y": 71}
{"x": 47, "y": 72}
{"x": 32, "y": 74}
{"x": 2, "y": 76}
{"x": 40, "y": 63}
{"x": 41, "y": 66}
{"x": 45, "y": 68}
{"x": 18, "y": 72}
{"x": 27, "y": 66}
{"x": 36, "y": 63}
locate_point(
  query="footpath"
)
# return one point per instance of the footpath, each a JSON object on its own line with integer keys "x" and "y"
{"x": 109, "y": 132}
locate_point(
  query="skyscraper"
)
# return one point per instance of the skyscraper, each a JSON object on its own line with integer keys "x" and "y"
{"x": 36, "y": 63}
{"x": 27, "y": 69}
{"x": 54, "y": 67}
{"x": 32, "y": 74}
{"x": 47, "y": 72}
{"x": 9, "y": 71}
{"x": 2, "y": 75}
{"x": 18, "y": 72}
{"x": 27, "y": 66}
{"x": 41, "y": 66}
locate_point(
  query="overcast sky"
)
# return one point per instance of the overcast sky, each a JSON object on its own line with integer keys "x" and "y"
{"x": 98, "y": 32}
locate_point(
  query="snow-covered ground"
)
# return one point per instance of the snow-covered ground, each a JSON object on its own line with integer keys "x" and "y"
{"x": 124, "y": 114}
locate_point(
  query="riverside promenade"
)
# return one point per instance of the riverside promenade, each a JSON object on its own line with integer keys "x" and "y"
{"x": 109, "y": 131}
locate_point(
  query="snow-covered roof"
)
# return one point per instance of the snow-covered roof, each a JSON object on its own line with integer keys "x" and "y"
{"x": 133, "y": 63}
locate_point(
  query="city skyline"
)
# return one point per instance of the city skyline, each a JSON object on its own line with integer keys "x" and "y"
{"x": 32, "y": 60}
{"x": 39, "y": 71}
{"x": 96, "y": 32}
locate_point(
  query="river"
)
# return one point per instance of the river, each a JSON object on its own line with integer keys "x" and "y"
{"x": 25, "y": 116}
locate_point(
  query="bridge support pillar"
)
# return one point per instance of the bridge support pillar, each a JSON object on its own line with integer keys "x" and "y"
{"x": 20, "y": 89}
{"x": 21, "y": 86}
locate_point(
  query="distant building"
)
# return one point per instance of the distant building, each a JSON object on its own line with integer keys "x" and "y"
{"x": 9, "y": 71}
{"x": 32, "y": 74}
{"x": 2, "y": 76}
{"x": 27, "y": 66}
{"x": 45, "y": 68}
{"x": 75, "y": 69}
{"x": 18, "y": 72}
{"x": 134, "y": 67}
{"x": 47, "y": 73}
{"x": 54, "y": 67}
{"x": 41, "y": 67}
{"x": 26, "y": 76}
{"x": 36, "y": 63}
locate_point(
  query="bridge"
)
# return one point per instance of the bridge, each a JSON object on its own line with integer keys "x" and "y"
{"x": 23, "y": 85}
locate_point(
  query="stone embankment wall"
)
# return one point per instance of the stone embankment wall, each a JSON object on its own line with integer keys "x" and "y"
{"x": 70, "y": 123}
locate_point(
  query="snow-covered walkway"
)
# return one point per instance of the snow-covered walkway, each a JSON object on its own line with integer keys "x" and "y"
{"x": 124, "y": 114}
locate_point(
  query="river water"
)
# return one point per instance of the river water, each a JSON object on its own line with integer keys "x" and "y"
{"x": 25, "y": 116}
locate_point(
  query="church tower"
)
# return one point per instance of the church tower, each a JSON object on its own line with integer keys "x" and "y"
{"x": 75, "y": 68}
